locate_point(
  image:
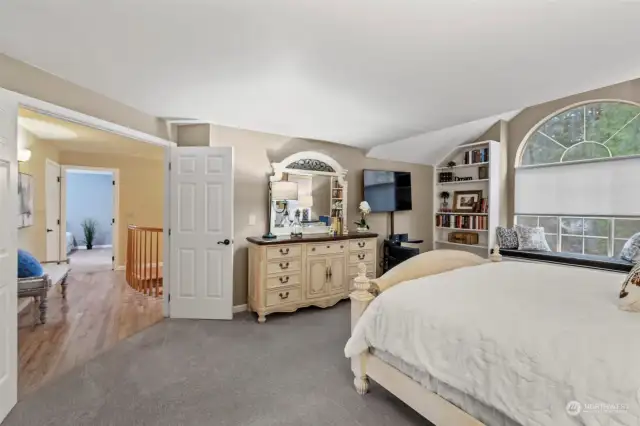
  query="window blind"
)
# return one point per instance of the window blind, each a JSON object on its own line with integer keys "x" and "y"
{"x": 607, "y": 188}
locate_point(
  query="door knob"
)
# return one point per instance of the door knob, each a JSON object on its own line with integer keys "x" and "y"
{"x": 49, "y": 230}
{"x": 225, "y": 242}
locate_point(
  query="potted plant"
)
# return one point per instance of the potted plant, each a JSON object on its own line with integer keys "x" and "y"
{"x": 365, "y": 209}
{"x": 89, "y": 227}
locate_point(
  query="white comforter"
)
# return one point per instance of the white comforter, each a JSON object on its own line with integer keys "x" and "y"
{"x": 524, "y": 338}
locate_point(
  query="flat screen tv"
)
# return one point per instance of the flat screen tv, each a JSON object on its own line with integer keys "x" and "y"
{"x": 387, "y": 191}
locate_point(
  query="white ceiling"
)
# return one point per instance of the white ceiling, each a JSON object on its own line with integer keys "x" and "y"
{"x": 357, "y": 72}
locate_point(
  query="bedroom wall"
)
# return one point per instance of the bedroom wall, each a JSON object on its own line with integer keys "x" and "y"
{"x": 141, "y": 190}
{"x": 33, "y": 238}
{"x": 254, "y": 153}
{"x": 90, "y": 196}
{"x": 521, "y": 124}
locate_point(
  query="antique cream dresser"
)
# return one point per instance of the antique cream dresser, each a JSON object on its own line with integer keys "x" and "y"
{"x": 288, "y": 273}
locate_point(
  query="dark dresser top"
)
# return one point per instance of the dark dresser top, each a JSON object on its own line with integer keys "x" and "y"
{"x": 317, "y": 238}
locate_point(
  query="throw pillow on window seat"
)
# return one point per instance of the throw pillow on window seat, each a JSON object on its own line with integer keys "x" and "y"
{"x": 28, "y": 265}
{"x": 507, "y": 237}
{"x": 531, "y": 238}
{"x": 630, "y": 293}
{"x": 631, "y": 250}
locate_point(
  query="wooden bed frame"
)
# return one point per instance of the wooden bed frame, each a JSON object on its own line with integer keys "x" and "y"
{"x": 428, "y": 404}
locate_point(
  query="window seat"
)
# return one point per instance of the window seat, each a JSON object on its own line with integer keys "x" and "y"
{"x": 574, "y": 259}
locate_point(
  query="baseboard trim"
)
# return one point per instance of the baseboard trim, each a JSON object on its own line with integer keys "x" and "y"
{"x": 148, "y": 265}
{"x": 121, "y": 268}
{"x": 239, "y": 308}
{"x": 104, "y": 246}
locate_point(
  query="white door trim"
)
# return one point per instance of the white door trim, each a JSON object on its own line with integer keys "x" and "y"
{"x": 63, "y": 113}
{"x": 115, "y": 240}
{"x": 57, "y": 257}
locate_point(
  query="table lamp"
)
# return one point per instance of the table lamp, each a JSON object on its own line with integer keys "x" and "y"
{"x": 280, "y": 191}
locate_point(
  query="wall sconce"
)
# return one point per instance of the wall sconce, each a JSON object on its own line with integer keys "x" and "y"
{"x": 24, "y": 155}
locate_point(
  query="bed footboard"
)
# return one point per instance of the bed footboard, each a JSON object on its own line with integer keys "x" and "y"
{"x": 360, "y": 299}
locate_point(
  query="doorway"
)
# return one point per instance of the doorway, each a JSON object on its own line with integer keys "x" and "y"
{"x": 89, "y": 214}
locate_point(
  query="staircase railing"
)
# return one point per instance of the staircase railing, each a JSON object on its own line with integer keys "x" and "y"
{"x": 144, "y": 260}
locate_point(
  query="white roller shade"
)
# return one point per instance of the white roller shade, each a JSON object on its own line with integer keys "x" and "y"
{"x": 607, "y": 188}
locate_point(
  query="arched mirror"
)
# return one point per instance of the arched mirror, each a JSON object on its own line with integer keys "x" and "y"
{"x": 308, "y": 195}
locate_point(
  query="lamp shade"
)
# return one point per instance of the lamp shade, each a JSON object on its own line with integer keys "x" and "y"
{"x": 305, "y": 201}
{"x": 283, "y": 190}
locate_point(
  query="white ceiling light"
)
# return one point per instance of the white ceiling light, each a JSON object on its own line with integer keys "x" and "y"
{"x": 45, "y": 129}
{"x": 24, "y": 155}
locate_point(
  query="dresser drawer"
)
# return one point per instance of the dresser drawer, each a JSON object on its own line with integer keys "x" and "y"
{"x": 284, "y": 296}
{"x": 338, "y": 247}
{"x": 284, "y": 265}
{"x": 283, "y": 280}
{"x": 353, "y": 269}
{"x": 283, "y": 252}
{"x": 361, "y": 256}
{"x": 368, "y": 244}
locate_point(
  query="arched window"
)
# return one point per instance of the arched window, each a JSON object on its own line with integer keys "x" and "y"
{"x": 589, "y": 131}
{"x": 584, "y": 207}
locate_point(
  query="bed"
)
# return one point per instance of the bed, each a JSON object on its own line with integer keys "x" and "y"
{"x": 502, "y": 343}
{"x": 69, "y": 242}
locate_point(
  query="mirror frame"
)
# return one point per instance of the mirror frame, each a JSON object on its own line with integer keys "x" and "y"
{"x": 309, "y": 163}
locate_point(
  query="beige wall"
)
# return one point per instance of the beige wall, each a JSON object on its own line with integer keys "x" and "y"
{"x": 521, "y": 124}
{"x": 141, "y": 190}
{"x": 33, "y": 238}
{"x": 23, "y": 78}
{"x": 254, "y": 153}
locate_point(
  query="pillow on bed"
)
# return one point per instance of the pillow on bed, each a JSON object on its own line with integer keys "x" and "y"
{"x": 507, "y": 237}
{"x": 425, "y": 264}
{"x": 631, "y": 250}
{"x": 630, "y": 293}
{"x": 531, "y": 238}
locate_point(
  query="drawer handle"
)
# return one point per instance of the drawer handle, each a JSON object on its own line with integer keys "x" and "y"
{"x": 284, "y": 280}
{"x": 284, "y": 251}
{"x": 313, "y": 249}
{"x": 341, "y": 246}
{"x": 284, "y": 266}
{"x": 361, "y": 256}
{"x": 328, "y": 246}
{"x": 361, "y": 244}
{"x": 284, "y": 296}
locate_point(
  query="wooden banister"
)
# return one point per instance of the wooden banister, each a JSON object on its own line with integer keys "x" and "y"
{"x": 144, "y": 259}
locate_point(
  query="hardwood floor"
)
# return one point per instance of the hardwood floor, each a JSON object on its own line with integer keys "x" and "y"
{"x": 100, "y": 310}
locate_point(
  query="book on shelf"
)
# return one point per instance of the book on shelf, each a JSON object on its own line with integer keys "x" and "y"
{"x": 476, "y": 156}
{"x": 462, "y": 221}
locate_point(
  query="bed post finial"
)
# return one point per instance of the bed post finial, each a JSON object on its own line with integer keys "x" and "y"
{"x": 495, "y": 254}
{"x": 360, "y": 299}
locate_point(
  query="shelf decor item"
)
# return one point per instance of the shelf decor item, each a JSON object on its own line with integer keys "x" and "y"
{"x": 365, "y": 209}
{"x": 470, "y": 238}
{"x": 445, "y": 200}
{"x": 465, "y": 201}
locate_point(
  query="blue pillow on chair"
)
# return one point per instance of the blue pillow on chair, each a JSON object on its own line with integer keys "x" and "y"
{"x": 28, "y": 266}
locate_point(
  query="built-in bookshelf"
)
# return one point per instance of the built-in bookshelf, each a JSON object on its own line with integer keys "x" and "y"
{"x": 475, "y": 178}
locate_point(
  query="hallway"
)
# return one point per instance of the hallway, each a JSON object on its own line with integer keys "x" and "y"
{"x": 100, "y": 310}
{"x": 95, "y": 260}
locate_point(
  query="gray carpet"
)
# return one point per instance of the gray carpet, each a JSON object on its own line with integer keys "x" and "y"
{"x": 289, "y": 371}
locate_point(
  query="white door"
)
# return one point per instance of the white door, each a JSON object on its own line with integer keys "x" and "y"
{"x": 52, "y": 209}
{"x": 8, "y": 250}
{"x": 201, "y": 233}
